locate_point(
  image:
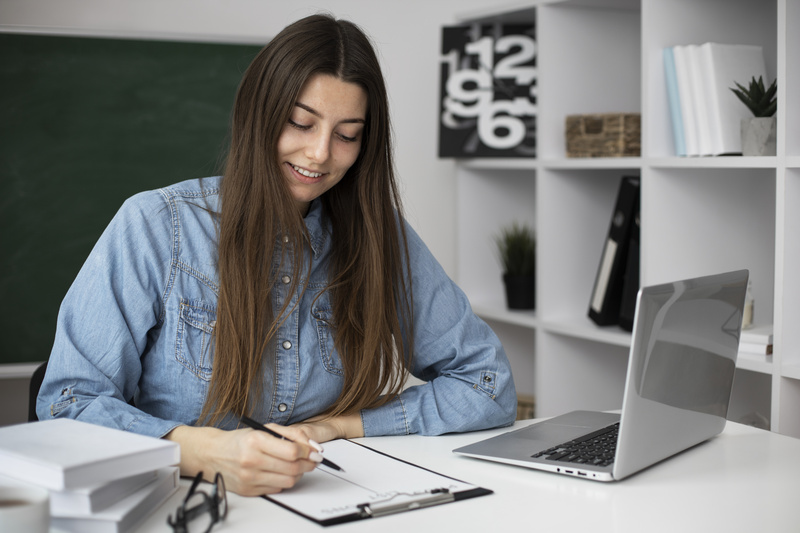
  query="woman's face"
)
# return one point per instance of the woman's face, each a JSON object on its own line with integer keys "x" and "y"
{"x": 322, "y": 139}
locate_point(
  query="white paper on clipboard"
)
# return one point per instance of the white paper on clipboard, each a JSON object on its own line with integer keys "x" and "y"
{"x": 371, "y": 485}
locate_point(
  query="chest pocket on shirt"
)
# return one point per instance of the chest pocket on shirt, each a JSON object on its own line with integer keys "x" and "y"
{"x": 325, "y": 331}
{"x": 193, "y": 345}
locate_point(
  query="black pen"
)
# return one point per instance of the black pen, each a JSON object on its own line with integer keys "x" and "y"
{"x": 261, "y": 427}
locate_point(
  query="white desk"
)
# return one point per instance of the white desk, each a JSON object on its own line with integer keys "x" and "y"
{"x": 744, "y": 480}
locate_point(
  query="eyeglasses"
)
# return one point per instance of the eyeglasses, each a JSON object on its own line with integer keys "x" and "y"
{"x": 199, "y": 512}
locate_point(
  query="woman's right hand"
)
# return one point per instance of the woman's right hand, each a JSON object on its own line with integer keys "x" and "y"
{"x": 252, "y": 462}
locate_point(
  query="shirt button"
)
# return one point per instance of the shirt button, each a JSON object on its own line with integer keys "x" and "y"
{"x": 286, "y": 280}
{"x": 282, "y": 407}
{"x": 487, "y": 379}
{"x": 287, "y": 345}
{"x": 285, "y": 238}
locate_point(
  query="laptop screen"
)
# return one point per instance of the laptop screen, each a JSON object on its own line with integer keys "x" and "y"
{"x": 683, "y": 359}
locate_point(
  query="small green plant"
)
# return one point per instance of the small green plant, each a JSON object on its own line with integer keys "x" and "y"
{"x": 516, "y": 245}
{"x": 760, "y": 101}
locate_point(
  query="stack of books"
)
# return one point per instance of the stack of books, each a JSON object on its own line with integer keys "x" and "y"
{"x": 756, "y": 340}
{"x": 706, "y": 115}
{"x": 100, "y": 479}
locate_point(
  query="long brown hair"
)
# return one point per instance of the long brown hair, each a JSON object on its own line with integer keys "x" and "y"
{"x": 369, "y": 285}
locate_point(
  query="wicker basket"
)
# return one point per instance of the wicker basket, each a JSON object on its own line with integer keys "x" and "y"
{"x": 526, "y": 407}
{"x": 604, "y": 135}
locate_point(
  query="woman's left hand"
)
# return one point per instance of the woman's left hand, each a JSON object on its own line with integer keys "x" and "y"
{"x": 323, "y": 429}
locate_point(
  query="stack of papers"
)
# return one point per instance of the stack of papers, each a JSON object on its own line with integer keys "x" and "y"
{"x": 100, "y": 479}
{"x": 756, "y": 340}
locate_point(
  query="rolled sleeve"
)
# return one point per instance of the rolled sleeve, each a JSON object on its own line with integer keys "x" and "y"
{"x": 389, "y": 419}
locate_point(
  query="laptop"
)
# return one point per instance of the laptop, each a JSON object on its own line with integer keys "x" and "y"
{"x": 680, "y": 373}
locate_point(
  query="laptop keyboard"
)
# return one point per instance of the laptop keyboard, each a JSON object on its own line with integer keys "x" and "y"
{"x": 596, "y": 448}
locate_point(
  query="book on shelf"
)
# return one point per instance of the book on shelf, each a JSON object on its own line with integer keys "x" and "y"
{"x": 755, "y": 348}
{"x": 674, "y": 100}
{"x": 126, "y": 514}
{"x": 700, "y": 97}
{"x": 64, "y": 454}
{"x": 606, "y": 299}
{"x": 95, "y": 498}
{"x": 756, "y": 340}
{"x": 688, "y": 113}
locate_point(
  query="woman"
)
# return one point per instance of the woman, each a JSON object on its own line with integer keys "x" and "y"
{"x": 291, "y": 289}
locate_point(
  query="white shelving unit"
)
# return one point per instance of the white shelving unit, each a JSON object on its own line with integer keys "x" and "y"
{"x": 699, "y": 215}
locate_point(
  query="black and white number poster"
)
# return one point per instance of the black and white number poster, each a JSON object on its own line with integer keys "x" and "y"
{"x": 488, "y": 91}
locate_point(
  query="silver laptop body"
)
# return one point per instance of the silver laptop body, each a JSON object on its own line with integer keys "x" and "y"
{"x": 680, "y": 374}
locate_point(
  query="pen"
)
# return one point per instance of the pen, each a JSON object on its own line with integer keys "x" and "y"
{"x": 255, "y": 425}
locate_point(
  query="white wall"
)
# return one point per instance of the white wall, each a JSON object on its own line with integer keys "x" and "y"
{"x": 407, "y": 34}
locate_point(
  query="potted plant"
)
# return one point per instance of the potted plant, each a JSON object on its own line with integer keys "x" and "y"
{"x": 516, "y": 245}
{"x": 759, "y": 132}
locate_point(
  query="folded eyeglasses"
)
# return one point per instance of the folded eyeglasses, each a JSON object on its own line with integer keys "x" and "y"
{"x": 199, "y": 510}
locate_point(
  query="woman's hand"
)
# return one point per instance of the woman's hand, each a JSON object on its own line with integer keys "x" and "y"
{"x": 252, "y": 462}
{"x": 322, "y": 429}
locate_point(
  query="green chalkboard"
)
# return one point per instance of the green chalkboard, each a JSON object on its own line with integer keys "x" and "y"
{"x": 84, "y": 124}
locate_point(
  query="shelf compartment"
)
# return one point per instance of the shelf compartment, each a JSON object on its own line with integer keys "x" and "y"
{"x": 575, "y": 373}
{"x": 575, "y": 212}
{"x": 699, "y": 222}
{"x": 580, "y": 76}
{"x": 489, "y": 200}
{"x": 680, "y": 22}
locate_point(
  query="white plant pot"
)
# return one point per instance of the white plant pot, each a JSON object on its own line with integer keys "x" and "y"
{"x": 759, "y": 136}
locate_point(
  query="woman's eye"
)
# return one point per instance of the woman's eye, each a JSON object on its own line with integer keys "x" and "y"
{"x": 304, "y": 127}
{"x": 298, "y": 126}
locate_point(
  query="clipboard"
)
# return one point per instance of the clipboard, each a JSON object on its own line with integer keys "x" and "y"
{"x": 373, "y": 484}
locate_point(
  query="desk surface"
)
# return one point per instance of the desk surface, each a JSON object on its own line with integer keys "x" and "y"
{"x": 742, "y": 480}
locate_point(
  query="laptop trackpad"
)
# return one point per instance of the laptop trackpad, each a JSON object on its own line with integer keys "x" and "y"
{"x": 564, "y": 428}
{"x": 520, "y": 444}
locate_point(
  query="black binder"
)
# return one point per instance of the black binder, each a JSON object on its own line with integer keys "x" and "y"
{"x": 606, "y": 301}
{"x": 630, "y": 287}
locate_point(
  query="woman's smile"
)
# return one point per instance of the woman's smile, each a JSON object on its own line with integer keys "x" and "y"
{"x": 306, "y": 173}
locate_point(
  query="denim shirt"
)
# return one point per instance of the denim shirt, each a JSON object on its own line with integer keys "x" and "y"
{"x": 137, "y": 322}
